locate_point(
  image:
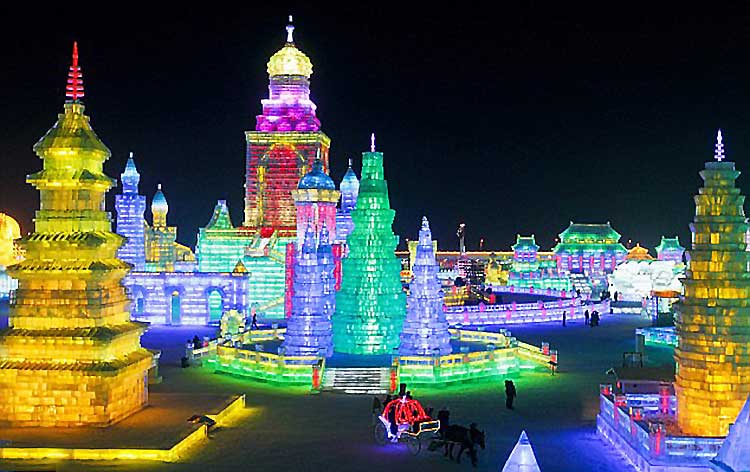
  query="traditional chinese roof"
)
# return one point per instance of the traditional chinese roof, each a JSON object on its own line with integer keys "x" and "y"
{"x": 638, "y": 253}
{"x": 525, "y": 243}
{"x": 593, "y": 237}
{"x": 669, "y": 244}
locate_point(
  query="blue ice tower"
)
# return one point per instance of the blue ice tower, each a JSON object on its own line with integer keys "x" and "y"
{"x": 425, "y": 331}
{"x": 130, "y": 208}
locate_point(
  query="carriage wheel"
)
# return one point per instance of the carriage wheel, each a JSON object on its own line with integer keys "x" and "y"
{"x": 414, "y": 444}
{"x": 380, "y": 434}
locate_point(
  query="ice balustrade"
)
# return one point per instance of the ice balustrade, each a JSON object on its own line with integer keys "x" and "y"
{"x": 511, "y": 313}
{"x": 638, "y": 421}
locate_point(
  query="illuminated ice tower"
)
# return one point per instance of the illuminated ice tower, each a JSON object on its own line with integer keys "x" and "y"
{"x": 713, "y": 317}
{"x": 349, "y": 188}
{"x": 72, "y": 356}
{"x": 425, "y": 331}
{"x": 370, "y": 307}
{"x": 161, "y": 250}
{"x": 308, "y": 331}
{"x": 285, "y": 142}
{"x": 130, "y": 207}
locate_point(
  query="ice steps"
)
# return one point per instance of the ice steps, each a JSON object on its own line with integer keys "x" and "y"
{"x": 357, "y": 380}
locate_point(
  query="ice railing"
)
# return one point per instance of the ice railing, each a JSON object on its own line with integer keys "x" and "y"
{"x": 509, "y": 313}
{"x": 639, "y": 420}
{"x": 503, "y": 353}
{"x": 662, "y": 335}
{"x": 246, "y": 337}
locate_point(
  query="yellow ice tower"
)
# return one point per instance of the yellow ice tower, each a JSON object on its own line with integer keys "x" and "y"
{"x": 71, "y": 356}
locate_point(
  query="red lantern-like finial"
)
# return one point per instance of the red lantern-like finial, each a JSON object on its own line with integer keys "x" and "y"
{"x": 74, "y": 89}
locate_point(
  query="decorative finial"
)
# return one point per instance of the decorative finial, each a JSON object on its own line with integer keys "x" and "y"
{"x": 719, "y": 154}
{"x": 350, "y": 162}
{"x": 425, "y": 223}
{"x": 290, "y": 30}
{"x": 74, "y": 89}
{"x": 131, "y": 154}
{"x": 158, "y": 186}
{"x": 372, "y": 142}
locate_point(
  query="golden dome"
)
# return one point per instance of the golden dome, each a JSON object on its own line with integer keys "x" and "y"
{"x": 9, "y": 230}
{"x": 289, "y": 60}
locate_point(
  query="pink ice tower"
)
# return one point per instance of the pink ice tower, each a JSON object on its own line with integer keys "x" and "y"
{"x": 425, "y": 330}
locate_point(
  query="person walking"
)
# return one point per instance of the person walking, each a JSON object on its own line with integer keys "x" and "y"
{"x": 510, "y": 394}
{"x": 564, "y": 318}
{"x": 586, "y": 317}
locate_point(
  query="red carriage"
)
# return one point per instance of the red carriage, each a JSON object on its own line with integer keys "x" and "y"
{"x": 404, "y": 419}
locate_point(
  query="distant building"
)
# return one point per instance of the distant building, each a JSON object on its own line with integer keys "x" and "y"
{"x": 589, "y": 249}
{"x": 165, "y": 287}
{"x": 528, "y": 271}
{"x": 669, "y": 249}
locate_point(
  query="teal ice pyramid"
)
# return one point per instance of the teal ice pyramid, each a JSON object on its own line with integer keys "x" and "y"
{"x": 522, "y": 458}
{"x": 734, "y": 455}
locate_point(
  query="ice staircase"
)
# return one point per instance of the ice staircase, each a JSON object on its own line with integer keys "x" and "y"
{"x": 357, "y": 380}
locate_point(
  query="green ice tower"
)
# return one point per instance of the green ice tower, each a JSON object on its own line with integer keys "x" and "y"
{"x": 371, "y": 305}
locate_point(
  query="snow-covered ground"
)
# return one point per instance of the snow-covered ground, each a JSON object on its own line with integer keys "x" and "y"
{"x": 295, "y": 431}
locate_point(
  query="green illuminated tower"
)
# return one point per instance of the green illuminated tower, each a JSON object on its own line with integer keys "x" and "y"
{"x": 371, "y": 305}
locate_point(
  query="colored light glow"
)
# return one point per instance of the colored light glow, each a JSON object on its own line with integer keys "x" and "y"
{"x": 371, "y": 305}
{"x": 711, "y": 320}
{"x": 176, "y": 453}
{"x": 72, "y": 356}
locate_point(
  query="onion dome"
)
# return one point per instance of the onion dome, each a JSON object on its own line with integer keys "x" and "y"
{"x": 289, "y": 60}
{"x": 159, "y": 203}
{"x": 316, "y": 178}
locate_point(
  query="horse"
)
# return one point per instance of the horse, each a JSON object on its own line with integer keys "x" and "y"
{"x": 468, "y": 438}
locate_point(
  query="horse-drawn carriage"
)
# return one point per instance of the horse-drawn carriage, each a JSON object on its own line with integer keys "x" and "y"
{"x": 404, "y": 419}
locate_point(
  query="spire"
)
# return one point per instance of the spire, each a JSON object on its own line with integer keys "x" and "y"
{"x": 372, "y": 142}
{"x": 130, "y": 168}
{"x": 74, "y": 89}
{"x": 290, "y": 31}
{"x": 719, "y": 154}
{"x": 350, "y": 162}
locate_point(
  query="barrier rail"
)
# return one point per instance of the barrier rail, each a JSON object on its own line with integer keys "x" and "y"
{"x": 504, "y": 355}
{"x": 516, "y": 313}
{"x": 266, "y": 366}
{"x": 641, "y": 434}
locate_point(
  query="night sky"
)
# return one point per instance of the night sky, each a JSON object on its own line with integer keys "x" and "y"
{"x": 512, "y": 122}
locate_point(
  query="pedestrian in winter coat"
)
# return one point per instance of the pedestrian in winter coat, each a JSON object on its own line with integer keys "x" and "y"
{"x": 510, "y": 394}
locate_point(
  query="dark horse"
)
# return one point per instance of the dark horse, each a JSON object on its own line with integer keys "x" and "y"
{"x": 467, "y": 438}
